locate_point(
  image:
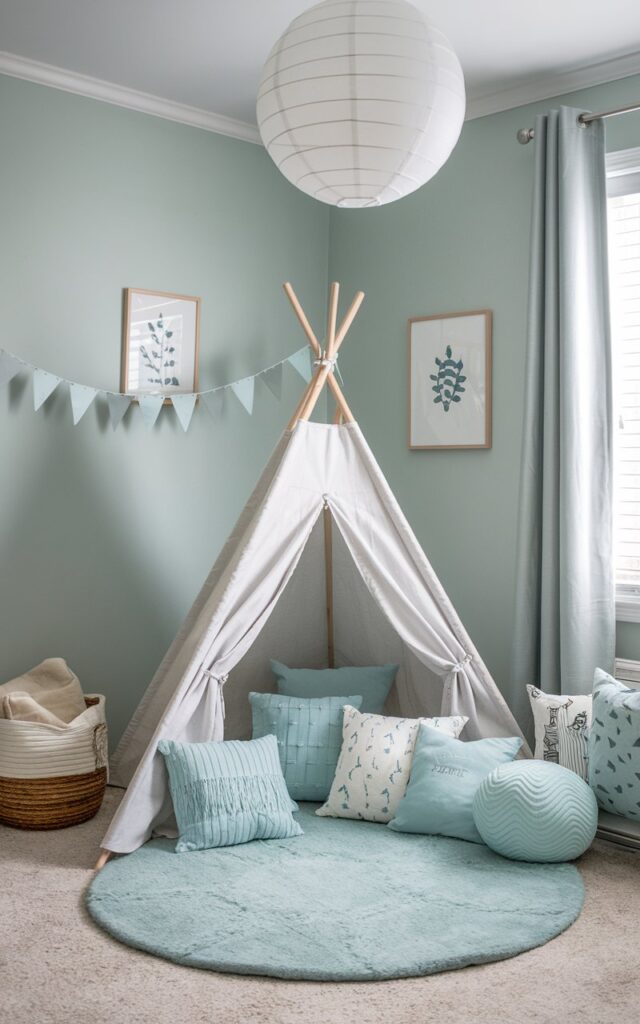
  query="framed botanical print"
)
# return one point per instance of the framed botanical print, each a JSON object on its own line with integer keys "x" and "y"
{"x": 450, "y": 380}
{"x": 160, "y": 343}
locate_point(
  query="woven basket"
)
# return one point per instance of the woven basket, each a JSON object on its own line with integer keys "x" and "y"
{"x": 52, "y": 777}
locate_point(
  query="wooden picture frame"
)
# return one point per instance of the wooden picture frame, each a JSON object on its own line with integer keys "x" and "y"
{"x": 450, "y": 369}
{"x": 176, "y": 319}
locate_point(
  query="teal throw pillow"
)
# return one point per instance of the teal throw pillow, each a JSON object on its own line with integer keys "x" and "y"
{"x": 373, "y": 682}
{"x": 614, "y": 746}
{"x": 227, "y": 792}
{"x": 309, "y": 736}
{"x": 445, "y": 774}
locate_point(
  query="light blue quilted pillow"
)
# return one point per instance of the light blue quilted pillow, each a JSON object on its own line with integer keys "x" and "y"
{"x": 614, "y": 746}
{"x": 228, "y": 792}
{"x": 309, "y": 735}
{"x": 372, "y": 681}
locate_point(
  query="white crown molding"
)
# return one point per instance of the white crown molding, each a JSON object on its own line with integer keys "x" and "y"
{"x": 121, "y": 96}
{"x": 544, "y": 88}
{"x": 531, "y": 91}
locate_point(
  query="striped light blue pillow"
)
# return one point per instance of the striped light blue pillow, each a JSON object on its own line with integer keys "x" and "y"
{"x": 309, "y": 735}
{"x": 228, "y": 792}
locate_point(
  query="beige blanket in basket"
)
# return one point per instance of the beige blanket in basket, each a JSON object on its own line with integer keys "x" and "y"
{"x": 50, "y": 693}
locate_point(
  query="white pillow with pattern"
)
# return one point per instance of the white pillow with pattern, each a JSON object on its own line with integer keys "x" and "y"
{"x": 562, "y": 725}
{"x": 375, "y": 762}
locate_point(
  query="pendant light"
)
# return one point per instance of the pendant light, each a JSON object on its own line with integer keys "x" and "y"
{"x": 360, "y": 101}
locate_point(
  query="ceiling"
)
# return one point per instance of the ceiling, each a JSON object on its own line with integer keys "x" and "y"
{"x": 208, "y": 53}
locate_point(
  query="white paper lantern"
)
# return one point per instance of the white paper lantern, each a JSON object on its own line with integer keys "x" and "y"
{"x": 360, "y": 101}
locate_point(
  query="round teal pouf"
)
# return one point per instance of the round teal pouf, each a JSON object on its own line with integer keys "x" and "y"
{"x": 536, "y": 811}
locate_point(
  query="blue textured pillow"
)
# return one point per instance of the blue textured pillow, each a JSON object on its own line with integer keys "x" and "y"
{"x": 445, "y": 774}
{"x": 228, "y": 792}
{"x": 614, "y": 746}
{"x": 309, "y": 735}
{"x": 373, "y": 682}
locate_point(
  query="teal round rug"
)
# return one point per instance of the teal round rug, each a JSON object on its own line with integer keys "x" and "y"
{"x": 347, "y": 901}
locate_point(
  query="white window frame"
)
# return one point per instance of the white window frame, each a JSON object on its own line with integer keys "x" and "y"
{"x": 623, "y": 177}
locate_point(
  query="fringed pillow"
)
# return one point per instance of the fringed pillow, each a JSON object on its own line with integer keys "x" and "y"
{"x": 228, "y": 792}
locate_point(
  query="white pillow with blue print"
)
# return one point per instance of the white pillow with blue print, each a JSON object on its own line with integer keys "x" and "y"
{"x": 375, "y": 762}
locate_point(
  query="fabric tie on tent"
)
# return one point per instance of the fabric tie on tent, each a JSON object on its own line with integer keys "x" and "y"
{"x": 220, "y": 680}
{"x": 458, "y": 667}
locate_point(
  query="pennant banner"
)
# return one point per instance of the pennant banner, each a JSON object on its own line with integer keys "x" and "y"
{"x": 118, "y": 405}
{"x": 44, "y": 384}
{"x": 214, "y": 401}
{"x": 81, "y": 399}
{"x": 184, "y": 406}
{"x": 302, "y": 363}
{"x": 273, "y": 380}
{"x": 150, "y": 406}
{"x": 82, "y": 396}
{"x": 244, "y": 390}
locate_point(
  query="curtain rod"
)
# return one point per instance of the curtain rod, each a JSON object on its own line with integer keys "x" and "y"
{"x": 525, "y": 135}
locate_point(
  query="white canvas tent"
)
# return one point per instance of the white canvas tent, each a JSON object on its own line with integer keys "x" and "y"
{"x": 322, "y": 568}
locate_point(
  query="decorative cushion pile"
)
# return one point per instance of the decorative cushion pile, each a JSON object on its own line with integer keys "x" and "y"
{"x": 562, "y": 724}
{"x": 373, "y": 682}
{"x": 309, "y": 736}
{"x": 374, "y": 764}
{"x": 445, "y": 775}
{"x": 228, "y": 792}
{"x": 535, "y": 811}
{"x": 614, "y": 746}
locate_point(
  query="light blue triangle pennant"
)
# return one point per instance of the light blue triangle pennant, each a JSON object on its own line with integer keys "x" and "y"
{"x": 9, "y": 367}
{"x": 150, "y": 406}
{"x": 81, "y": 399}
{"x": 302, "y": 363}
{"x": 44, "y": 384}
{"x": 214, "y": 401}
{"x": 273, "y": 380}
{"x": 184, "y": 406}
{"x": 118, "y": 405}
{"x": 244, "y": 390}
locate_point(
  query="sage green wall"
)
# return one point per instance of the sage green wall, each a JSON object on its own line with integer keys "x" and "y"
{"x": 461, "y": 242}
{"x": 105, "y": 537}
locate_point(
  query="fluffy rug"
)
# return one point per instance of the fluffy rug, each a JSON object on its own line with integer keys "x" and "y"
{"x": 348, "y": 901}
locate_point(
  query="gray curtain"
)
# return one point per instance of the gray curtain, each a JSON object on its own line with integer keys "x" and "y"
{"x": 564, "y": 608}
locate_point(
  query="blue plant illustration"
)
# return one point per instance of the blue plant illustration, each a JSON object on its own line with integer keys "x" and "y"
{"x": 448, "y": 380}
{"x": 358, "y": 764}
{"x": 159, "y": 355}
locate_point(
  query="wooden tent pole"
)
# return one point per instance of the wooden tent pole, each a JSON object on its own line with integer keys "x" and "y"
{"x": 333, "y": 344}
{"x": 323, "y": 371}
{"x": 105, "y": 855}
{"x": 315, "y": 345}
{"x": 328, "y": 569}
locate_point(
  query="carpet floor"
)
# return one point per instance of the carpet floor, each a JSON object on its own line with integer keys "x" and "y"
{"x": 56, "y": 966}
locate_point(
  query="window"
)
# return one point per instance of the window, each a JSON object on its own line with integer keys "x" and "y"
{"x": 623, "y": 186}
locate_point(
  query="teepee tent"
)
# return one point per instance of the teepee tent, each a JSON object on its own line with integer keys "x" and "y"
{"x": 321, "y": 569}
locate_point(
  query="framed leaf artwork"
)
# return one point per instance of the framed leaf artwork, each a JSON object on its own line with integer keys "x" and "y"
{"x": 450, "y": 380}
{"x": 160, "y": 343}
